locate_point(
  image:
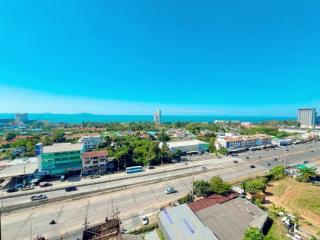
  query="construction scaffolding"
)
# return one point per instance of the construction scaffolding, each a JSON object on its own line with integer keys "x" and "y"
{"x": 110, "y": 230}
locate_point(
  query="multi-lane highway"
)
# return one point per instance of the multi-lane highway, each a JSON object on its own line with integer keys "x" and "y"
{"x": 70, "y": 214}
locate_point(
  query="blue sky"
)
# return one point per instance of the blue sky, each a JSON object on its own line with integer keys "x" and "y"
{"x": 185, "y": 57}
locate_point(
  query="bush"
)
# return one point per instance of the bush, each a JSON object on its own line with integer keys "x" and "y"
{"x": 202, "y": 188}
{"x": 255, "y": 185}
{"x": 219, "y": 186}
{"x": 186, "y": 199}
{"x": 277, "y": 173}
{"x": 253, "y": 233}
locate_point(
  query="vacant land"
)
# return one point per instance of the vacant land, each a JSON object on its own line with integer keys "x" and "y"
{"x": 302, "y": 199}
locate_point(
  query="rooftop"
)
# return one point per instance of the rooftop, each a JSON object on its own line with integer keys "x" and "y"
{"x": 185, "y": 143}
{"x": 92, "y": 154}
{"x": 247, "y": 138}
{"x": 180, "y": 223}
{"x": 228, "y": 220}
{"x": 62, "y": 147}
{"x": 19, "y": 167}
{"x": 209, "y": 201}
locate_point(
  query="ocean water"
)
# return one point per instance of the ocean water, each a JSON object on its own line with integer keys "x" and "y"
{"x": 84, "y": 117}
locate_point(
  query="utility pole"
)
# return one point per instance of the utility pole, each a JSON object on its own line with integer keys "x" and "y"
{"x": 284, "y": 158}
{"x": 0, "y": 226}
{"x": 192, "y": 190}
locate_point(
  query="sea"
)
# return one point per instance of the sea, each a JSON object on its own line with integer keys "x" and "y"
{"x": 87, "y": 117}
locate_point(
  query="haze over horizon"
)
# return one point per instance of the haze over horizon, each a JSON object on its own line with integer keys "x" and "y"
{"x": 202, "y": 58}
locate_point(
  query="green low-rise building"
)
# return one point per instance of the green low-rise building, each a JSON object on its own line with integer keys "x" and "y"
{"x": 59, "y": 159}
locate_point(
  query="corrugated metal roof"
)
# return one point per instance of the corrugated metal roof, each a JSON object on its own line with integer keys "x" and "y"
{"x": 229, "y": 220}
{"x": 92, "y": 154}
{"x": 180, "y": 223}
{"x": 209, "y": 201}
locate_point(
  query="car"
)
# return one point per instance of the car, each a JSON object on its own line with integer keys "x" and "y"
{"x": 252, "y": 166}
{"x": 275, "y": 159}
{"x": 144, "y": 220}
{"x": 247, "y": 157}
{"x": 45, "y": 184}
{"x": 71, "y": 188}
{"x": 39, "y": 197}
{"x": 170, "y": 190}
{"x": 305, "y": 162}
{"x": 235, "y": 161}
{"x": 19, "y": 186}
{"x": 94, "y": 176}
{"x": 312, "y": 150}
{"x": 11, "y": 190}
{"x": 268, "y": 164}
{"x": 26, "y": 188}
{"x": 260, "y": 157}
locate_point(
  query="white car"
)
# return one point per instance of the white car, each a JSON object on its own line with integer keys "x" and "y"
{"x": 144, "y": 220}
{"x": 170, "y": 190}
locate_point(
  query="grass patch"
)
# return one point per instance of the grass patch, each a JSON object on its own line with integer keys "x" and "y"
{"x": 145, "y": 229}
{"x": 160, "y": 234}
{"x": 278, "y": 190}
{"x": 310, "y": 200}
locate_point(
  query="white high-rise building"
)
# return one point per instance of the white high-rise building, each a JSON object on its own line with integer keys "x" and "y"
{"x": 307, "y": 117}
{"x": 157, "y": 116}
{"x": 90, "y": 142}
{"x": 21, "y": 118}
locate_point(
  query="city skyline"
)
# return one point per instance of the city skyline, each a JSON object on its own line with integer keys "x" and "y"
{"x": 207, "y": 58}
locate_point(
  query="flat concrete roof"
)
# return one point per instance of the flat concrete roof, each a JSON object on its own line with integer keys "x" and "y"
{"x": 62, "y": 147}
{"x": 19, "y": 167}
{"x": 185, "y": 143}
{"x": 229, "y": 220}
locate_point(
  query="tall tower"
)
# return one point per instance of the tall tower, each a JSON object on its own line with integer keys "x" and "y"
{"x": 307, "y": 117}
{"x": 157, "y": 116}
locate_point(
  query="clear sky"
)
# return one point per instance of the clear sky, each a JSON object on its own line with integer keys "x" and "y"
{"x": 186, "y": 57}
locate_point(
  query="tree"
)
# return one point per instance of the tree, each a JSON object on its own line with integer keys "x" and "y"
{"x": 163, "y": 137}
{"x": 223, "y": 151}
{"x": 255, "y": 185}
{"x": 122, "y": 154}
{"x": 202, "y": 188}
{"x": 58, "y": 136}
{"x": 306, "y": 174}
{"x": 212, "y": 145}
{"x": 253, "y": 233}
{"x": 277, "y": 173}
{"x": 10, "y": 136}
{"x": 219, "y": 186}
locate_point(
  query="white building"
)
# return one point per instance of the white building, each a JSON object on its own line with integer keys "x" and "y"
{"x": 238, "y": 143}
{"x": 188, "y": 146}
{"x": 307, "y": 117}
{"x": 90, "y": 142}
{"x": 157, "y": 116}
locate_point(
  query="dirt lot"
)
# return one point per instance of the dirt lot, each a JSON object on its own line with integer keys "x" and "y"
{"x": 302, "y": 199}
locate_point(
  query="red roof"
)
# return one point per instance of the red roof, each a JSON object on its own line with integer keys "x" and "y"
{"x": 209, "y": 201}
{"x": 94, "y": 154}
